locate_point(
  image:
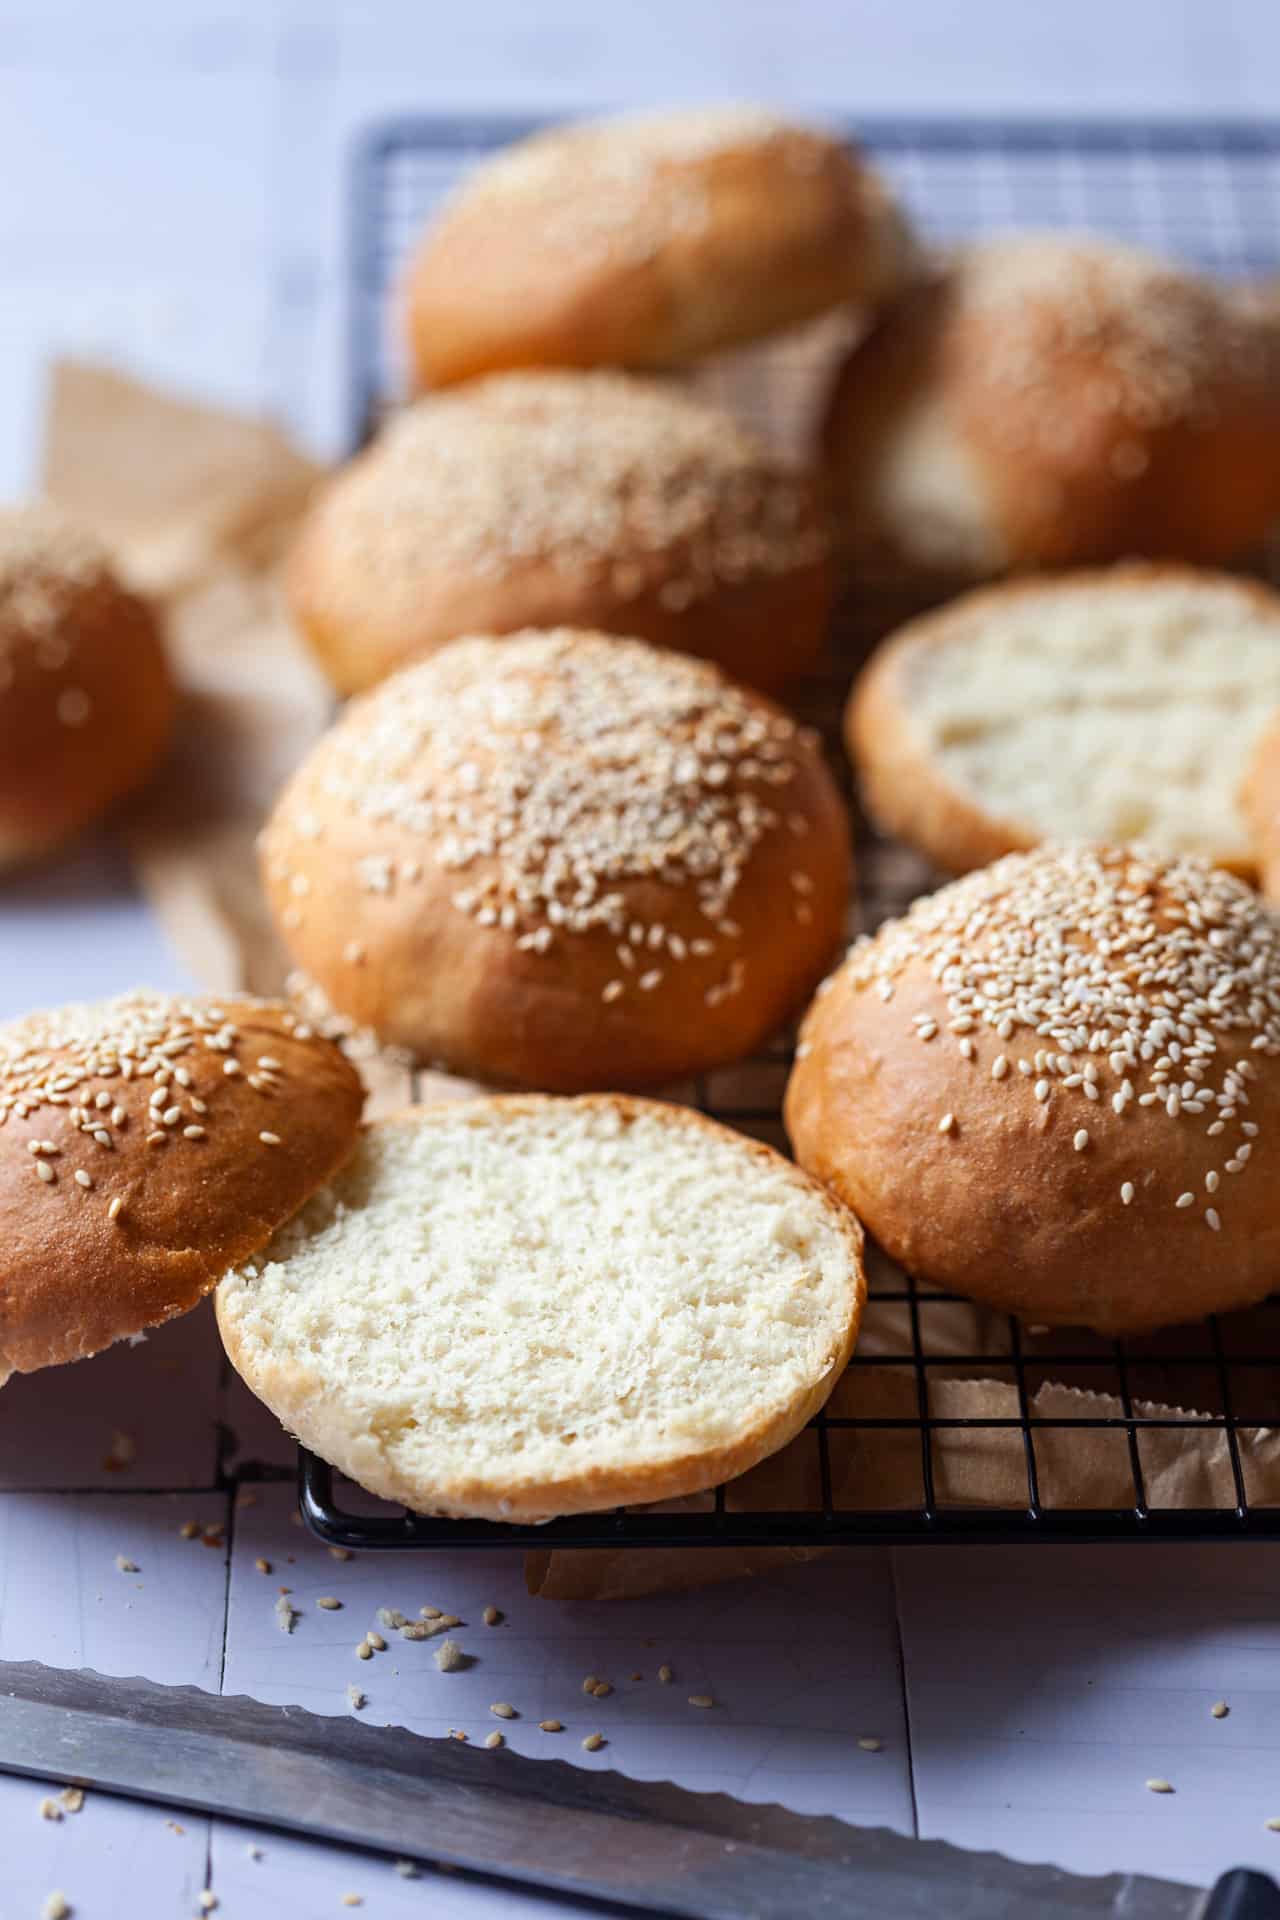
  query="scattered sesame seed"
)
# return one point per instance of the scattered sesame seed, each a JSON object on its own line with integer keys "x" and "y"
{"x": 999, "y": 1067}
{"x": 408, "y": 1869}
{"x": 491, "y": 1616}
{"x": 947, "y": 1123}
{"x": 126, "y": 1565}
{"x": 870, "y": 1743}
{"x": 376, "y": 1641}
{"x": 355, "y": 1698}
{"x": 494, "y": 1739}
{"x": 46, "y": 1172}
{"x": 503, "y": 1709}
{"x": 1272, "y": 1825}
{"x": 701, "y": 1700}
{"x": 56, "y": 1906}
{"x": 1126, "y": 1193}
{"x": 1185, "y": 1200}
{"x": 83, "y": 1179}
{"x": 550, "y": 1726}
{"x": 363, "y": 1650}
{"x": 665, "y": 1675}
{"x": 269, "y": 1139}
{"x": 329, "y": 1604}
{"x": 590, "y": 1684}
{"x": 115, "y": 1209}
{"x": 49, "y": 1809}
{"x": 1219, "y": 1709}
{"x": 1080, "y": 1139}
{"x": 262, "y": 1566}
{"x": 593, "y": 1742}
{"x": 1212, "y": 1219}
{"x": 341, "y": 1553}
{"x": 1159, "y": 1786}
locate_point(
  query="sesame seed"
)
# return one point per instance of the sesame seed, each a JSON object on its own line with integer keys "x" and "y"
{"x": 701, "y": 1700}
{"x": 261, "y": 1565}
{"x": 1080, "y": 1140}
{"x": 593, "y": 1742}
{"x": 550, "y": 1726}
{"x": 1219, "y": 1709}
{"x": 329, "y": 1604}
{"x": 115, "y": 1209}
{"x": 602, "y": 1690}
{"x": 503, "y": 1709}
{"x": 999, "y": 1067}
{"x": 193, "y": 1133}
{"x": 363, "y": 1650}
{"x": 1211, "y": 1182}
{"x": 1126, "y": 1193}
{"x": 947, "y": 1123}
{"x": 1159, "y": 1786}
{"x": 1185, "y": 1200}
{"x": 376, "y": 1641}
{"x": 870, "y": 1743}
{"x": 494, "y": 1739}
{"x": 1212, "y": 1219}
{"x": 269, "y": 1139}
{"x": 46, "y": 1172}
{"x": 1272, "y": 1825}
{"x": 590, "y": 1684}
{"x": 83, "y": 1179}
{"x": 613, "y": 990}
{"x": 491, "y": 1616}
{"x": 665, "y": 1675}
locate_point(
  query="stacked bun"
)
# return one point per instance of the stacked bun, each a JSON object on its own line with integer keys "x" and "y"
{"x": 86, "y": 702}
{"x": 648, "y": 240}
{"x": 562, "y": 860}
{"x": 1052, "y": 400}
{"x": 545, "y": 499}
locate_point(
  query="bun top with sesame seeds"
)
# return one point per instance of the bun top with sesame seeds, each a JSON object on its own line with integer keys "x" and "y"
{"x": 146, "y": 1144}
{"x": 86, "y": 703}
{"x": 1052, "y": 1084}
{"x": 1052, "y": 399}
{"x": 562, "y": 860}
{"x": 648, "y": 240}
{"x": 548, "y": 499}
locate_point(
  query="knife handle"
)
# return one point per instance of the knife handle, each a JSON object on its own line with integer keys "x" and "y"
{"x": 1243, "y": 1895}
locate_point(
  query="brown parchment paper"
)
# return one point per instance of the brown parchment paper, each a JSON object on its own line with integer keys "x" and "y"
{"x": 200, "y": 506}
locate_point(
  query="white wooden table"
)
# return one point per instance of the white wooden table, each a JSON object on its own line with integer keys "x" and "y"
{"x": 170, "y": 193}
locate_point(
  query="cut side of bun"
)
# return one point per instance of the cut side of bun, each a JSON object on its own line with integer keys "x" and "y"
{"x": 1113, "y": 705}
{"x": 525, "y": 1307}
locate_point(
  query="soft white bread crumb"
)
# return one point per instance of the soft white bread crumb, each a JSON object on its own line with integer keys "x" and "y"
{"x": 528, "y": 1306}
{"x": 1108, "y": 707}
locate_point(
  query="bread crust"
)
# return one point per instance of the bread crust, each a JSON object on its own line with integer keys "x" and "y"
{"x": 311, "y": 1408}
{"x": 383, "y": 572}
{"x": 426, "y": 974}
{"x": 907, "y": 790}
{"x": 594, "y": 246}
{"x": 74, "y": 1277}
{"x": 1068, "y": 402}
{"x": 1002, "y": 1207}
{"x": 86, "y": 700}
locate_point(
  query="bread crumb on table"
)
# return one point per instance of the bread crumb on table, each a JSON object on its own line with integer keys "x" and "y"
{"x": 408, "y": 1869}
{"x": 126, "y": 1565}
{"x": 355, "y": 1697}
{"x": 449, "y": 1657}
{"x": 72, "y": 1799}
{"x": 49, "y": 1809}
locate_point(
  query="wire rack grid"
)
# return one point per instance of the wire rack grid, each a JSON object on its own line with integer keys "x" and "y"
{"x": 1181, "y": 1431}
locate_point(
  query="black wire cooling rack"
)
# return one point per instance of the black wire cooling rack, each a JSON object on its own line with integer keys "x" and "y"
{"x": 1180, "y": 1433}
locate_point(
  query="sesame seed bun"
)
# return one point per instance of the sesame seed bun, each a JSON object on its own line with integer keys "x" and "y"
{"x": 1051, "y": 400}
{"x": 1260, "y": 804}
{"x": 146, "y": 1144}
{"x": 648, "y": 240}
{"x": 544, "y": 499}
{"x": 562, "y": 860}
{"x": 523, "y": 1307}
{"x": 1110, "y": 705}
{"x": 1054, "y": 1086}
{"x": 86, "y": 703}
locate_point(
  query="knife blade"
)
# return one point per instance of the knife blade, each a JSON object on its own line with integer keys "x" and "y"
{"x": 639, "y": 1846}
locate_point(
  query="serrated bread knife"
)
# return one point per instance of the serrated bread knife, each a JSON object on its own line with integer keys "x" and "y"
{"x": 634, "y": 1846}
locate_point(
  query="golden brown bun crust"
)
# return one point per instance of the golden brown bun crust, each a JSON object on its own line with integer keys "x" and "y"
{"x": 905, "y": 790}
{"x": 1054, "y": 401}
{"x": 392, "y": 937}
{"x": 1002, "y": 1206}
{"x": 1260, "y": 801}
{"x": 86, "y": 702}
{"x": 74, "y": 1277}
{"x": 542, "y": 500}
{"x": 648, "y": 243}
{"x": 308, "y": 1410}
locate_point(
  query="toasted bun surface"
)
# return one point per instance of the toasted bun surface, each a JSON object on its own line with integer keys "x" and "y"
{"x": 1113, "y": 705}
{"x": 544, "y": 499}
{"x": 524, "y": 1307}
{"x": 86, "y": 703}
{"x": 1053, "y": 399}
{"x": 146, "y": 1144}
{"x": 564, "y": 861}
{"x": 1055, "y": 1086}
{"x": 648, "y": 241}
{"x": 1260, "y": 803}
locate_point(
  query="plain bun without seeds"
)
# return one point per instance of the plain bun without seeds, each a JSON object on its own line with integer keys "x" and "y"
{"x": 147, "y": 1144}
{"x": 562, "y": 861}
{"x": 1054, "y": 1086}
{"x": 522, "y": 1307}
{"x": 648, "y": 240}
{"x": 1049, "y": 400}
{"x": 551, "y": 499}
{"x": 86, "y": 701}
